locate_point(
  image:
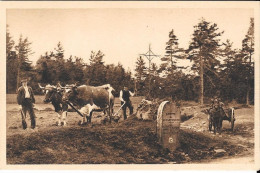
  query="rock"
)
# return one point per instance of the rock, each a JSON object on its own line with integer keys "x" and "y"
{"x": 240, "y": 145}
{"x": 13, "y": 127}
{"x": 172, "y": 162}
{"x": 220, "y": 150}
{"x": 183, "y": 154}
{"x": 47, "y": 149}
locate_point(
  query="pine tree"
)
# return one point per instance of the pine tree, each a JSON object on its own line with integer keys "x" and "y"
{"x": 59, "y": 55}
{"x": 140, "y": 74}
{"x": 247, "y": 53}
{"x": 24, "y": 64}
{"x": 155, "y": 80}
{"x": 11, "y": 64}
{"x": 96, "y": 71}
{"x": 203, "y": 50}
{"x": 154, "y": 70}
{"x": 115, "y": 76}
{"x": 78, "y": 72}
{"x": 140, "y": 69}
{"x": 228, "y": 83}
{"x": 60, "y": 69}
{"x": 9, "y": 42}
{"x": 173, "y": 52}
{"x": 45, "y": 68}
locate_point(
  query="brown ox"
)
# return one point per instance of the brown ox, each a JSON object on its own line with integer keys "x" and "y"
{"x": 90, "y": 98}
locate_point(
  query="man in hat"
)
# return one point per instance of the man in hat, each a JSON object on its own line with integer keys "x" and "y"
{"x": 125, "y": 95}
{"x": 26, "y": 100}
{"x": 216, "y": 100}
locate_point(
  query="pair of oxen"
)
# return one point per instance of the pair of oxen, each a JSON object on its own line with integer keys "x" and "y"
{"x": 84, "y": 99}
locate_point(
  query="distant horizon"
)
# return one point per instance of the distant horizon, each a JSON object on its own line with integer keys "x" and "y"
{"x": 121, "y": 34}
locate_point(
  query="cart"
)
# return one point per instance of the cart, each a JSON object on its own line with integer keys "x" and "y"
{"x": 229, "y": 115}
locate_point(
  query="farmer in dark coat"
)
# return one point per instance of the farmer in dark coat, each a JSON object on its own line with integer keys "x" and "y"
{"x": 125, "y": 95}
{"x": 26, "y": 100}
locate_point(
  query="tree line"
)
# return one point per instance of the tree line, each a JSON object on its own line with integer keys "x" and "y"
{"x": 215, "y": 66}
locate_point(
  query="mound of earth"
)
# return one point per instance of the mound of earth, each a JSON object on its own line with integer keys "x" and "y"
{"x": 130, "y": 141}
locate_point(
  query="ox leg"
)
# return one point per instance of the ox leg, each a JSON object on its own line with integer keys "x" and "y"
{"x": 215, "y": 126}
{"x": 64, "y": 116}
{"x": 108, "y": 111}
{"x": 220, "y": 126}
{"x": 87, "y": 117}
{"x": 107, "y": 115}
{"x": 59, "y": 118}
{"x": 84, "y": 111}
{"x": 90, "y": 116}
{"x": 112, "y": 110}
{"x": 83, "y": 119}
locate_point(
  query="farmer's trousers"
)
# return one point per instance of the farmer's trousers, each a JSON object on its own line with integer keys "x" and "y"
{"x": 28, "y": 106}
{"x": 128, "y": 105}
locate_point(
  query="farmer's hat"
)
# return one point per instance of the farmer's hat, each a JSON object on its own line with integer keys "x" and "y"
{"x": 24, "y": 80}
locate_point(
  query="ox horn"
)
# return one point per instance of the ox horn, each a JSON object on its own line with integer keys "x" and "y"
{"x": 77, "y": 84}
{"x": 41, "y": 86}
{"x": 59, "y": 85}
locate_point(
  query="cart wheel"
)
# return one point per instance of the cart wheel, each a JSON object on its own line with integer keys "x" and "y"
{"x": 232, "y": 120}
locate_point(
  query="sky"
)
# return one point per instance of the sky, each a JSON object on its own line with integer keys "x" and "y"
{"x": 121, "y": 34}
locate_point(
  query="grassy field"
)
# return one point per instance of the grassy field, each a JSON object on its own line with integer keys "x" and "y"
{"x": 11, "y": 99}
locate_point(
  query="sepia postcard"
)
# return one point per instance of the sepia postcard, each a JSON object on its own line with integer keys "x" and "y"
{"x": 130, "y": 85}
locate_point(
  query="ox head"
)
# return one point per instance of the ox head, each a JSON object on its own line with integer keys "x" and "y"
{"x": 49, "y": 91}
{"x": 70, "y": 92}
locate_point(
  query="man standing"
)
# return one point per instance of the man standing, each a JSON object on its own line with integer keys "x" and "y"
{"x": 25, "y": 99}
{"x": 125, "y": 101}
